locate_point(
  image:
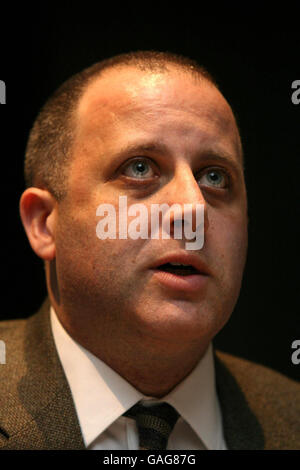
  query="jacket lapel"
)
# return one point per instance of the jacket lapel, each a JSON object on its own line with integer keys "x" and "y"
{"x": 43, "y": 414}
{"x": 242, "y": 430}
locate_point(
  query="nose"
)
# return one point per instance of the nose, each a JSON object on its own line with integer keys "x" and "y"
{"x": 183, "y": 191}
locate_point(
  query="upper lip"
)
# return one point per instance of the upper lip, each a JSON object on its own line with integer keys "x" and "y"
{"x": 183, "y": 258}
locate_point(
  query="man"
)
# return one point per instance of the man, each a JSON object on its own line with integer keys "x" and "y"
{"x": 130, "y": 320}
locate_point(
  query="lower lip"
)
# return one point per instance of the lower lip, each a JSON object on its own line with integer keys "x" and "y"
{"x": 191, "y": 283}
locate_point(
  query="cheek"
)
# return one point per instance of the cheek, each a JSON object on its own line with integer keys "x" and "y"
{"x": 82, "y": 255}
{"x": 226, "y": 250}
{"x": 229, "y": 242}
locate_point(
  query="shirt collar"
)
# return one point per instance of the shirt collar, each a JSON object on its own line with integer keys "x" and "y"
{"x": 101, "y": 395}
{"x": 195, "y": 398}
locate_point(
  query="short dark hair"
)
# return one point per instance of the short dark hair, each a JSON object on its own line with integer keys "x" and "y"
{"x": 51, "y": 137}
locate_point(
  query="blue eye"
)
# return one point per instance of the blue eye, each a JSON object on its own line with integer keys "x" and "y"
{"x": 139, "y": 169}
{"x": 215, "y": 178}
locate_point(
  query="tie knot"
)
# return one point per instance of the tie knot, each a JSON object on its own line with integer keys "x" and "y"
{"x": 155, "y": 424}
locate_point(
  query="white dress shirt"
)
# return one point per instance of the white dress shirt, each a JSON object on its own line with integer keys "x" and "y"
{"x": 101, "y": 396}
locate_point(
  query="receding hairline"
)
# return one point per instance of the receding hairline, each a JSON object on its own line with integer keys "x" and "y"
{"x": 166, "y": 68}
{"x": 50, "y": 145}
{"x": 170, "y": 69}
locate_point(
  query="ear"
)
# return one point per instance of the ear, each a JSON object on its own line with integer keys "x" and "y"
{"x": 38, "y": 210}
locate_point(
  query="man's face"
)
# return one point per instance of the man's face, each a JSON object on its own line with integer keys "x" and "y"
{"x": 155, "y": 138}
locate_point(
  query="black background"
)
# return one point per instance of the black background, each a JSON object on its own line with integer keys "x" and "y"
{"x": 255, "y": 58}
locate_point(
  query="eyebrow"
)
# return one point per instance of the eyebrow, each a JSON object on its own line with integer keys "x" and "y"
{"x": 211, "y": 153}
{"x": 222, "y": 157}
{"x": 152, "y": 146}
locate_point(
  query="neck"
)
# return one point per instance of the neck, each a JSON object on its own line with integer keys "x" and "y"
{"x": 152, "y": 367}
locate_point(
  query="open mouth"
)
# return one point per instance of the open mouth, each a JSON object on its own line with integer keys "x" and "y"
{"x": 182, "y": 272}
{"x": 178, "y": 269}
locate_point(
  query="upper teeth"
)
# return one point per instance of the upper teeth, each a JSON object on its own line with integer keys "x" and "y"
{"x": 179, "y": 264}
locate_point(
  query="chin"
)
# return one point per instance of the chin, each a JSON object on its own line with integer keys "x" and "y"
{"x": 180, "y": 321}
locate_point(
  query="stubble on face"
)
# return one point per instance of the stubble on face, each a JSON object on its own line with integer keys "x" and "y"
{"x": 108, "y": 297}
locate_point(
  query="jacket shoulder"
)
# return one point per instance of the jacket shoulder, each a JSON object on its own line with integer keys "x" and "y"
{"x": 273, "y": 398}
{"x": 12, "y": 328}
{"x": 36, "y": 406}
{"x": 262, "y": 375}
{"x": 12, "y": 333}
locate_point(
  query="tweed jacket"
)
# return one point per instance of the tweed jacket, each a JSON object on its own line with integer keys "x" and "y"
{"x": 260, "y": 407}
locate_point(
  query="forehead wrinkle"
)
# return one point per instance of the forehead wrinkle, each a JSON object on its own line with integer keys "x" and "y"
{"x": 141, "y": 106}
{"x": 210, "y": 151}
{"x": 196, "y": 132}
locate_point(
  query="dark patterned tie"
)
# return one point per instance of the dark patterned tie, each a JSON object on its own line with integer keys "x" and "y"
{"x": 155, "y": 424}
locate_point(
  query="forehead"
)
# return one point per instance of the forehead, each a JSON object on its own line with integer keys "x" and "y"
{"x": 155, "y": 102}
